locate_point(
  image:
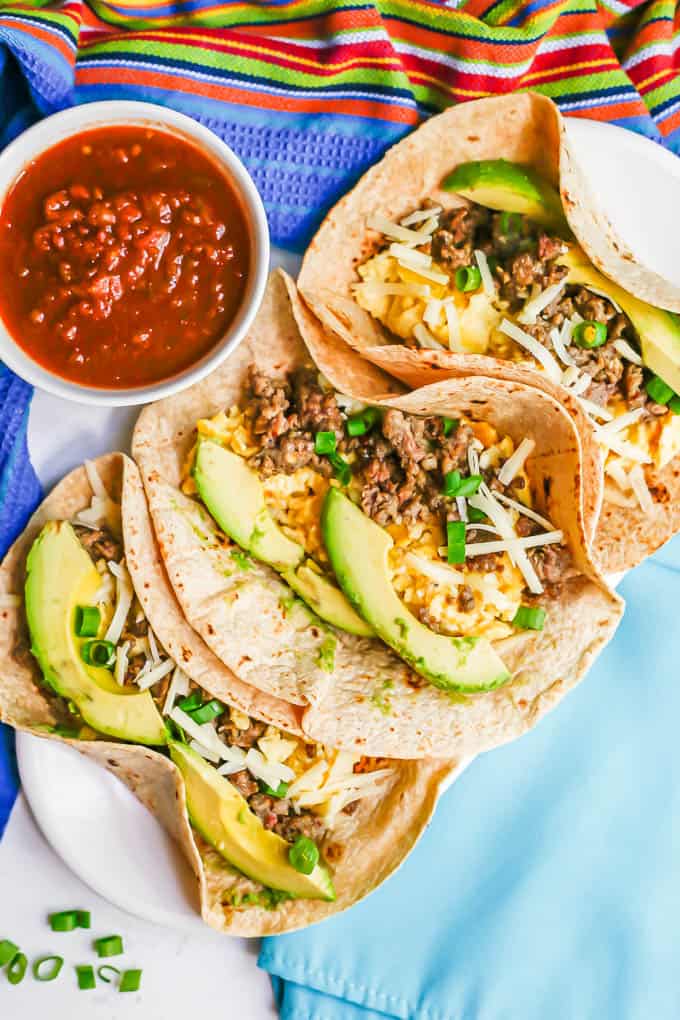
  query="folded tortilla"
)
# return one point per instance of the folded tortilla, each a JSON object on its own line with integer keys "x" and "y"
{"x": 267, "y": 649}
{"x": 525, "y": 129}
{"x": 377, "y": 836}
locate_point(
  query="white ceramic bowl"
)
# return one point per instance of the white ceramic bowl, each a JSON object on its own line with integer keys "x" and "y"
{"x": 49, "y": 132}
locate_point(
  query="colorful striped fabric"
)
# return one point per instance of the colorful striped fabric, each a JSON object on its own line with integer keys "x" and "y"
{"x": 311, "y": 92}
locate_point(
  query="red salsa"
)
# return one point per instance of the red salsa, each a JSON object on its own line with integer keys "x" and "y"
{"x": 124, "y": 253}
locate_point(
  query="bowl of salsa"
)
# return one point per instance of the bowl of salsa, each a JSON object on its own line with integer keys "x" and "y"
{"x": 134, "y": 253}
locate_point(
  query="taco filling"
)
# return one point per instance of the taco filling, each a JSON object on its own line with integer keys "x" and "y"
{"x": 277, "y": 809}
{"x": 469, "y": 557}
{"x": 476, "y": 280}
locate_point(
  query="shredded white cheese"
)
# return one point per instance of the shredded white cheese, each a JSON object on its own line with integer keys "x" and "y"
{"x": 485, "y": 501}
{"x": 377, "y": 289}
{"x": 395, "y": 231}
{"x": 271, "y": 773}
{"x": 120, "y": 669}
{"x": 641, "y": 490}
{"x": 535, "y": 305}
{"x": 531, "y": 542}
{"x": 488, "y": 282}
{"x": 595, "y": 410}
{"x": 204, "y": 752}
{"x": 425, "y": 338}
{"x": 560, "y": 347}
{"x": 412, "y": 259}
{"x": 148, "y": 677}
{"x": 179, "y": 688}
{"x": 540, "y": 353}
{"x": 524, "y": 510}
{"x": 622, "y": 422}
{"x": 515, "y": 462}
{"x": 432, "y": 313}
{"x": 626, "y": 351}
{"x": 452, "y": 324}
{"x": 95, "y": 481}
{"x": 427, "y": 274}
{"x": 124, "y": 596}
{"x": 461, "y": 504}
{"x": 622, "y": 447}
{"x": 436, "y": 572}
{"x": 419, "y": 215}
{"x": 153, "y": 647}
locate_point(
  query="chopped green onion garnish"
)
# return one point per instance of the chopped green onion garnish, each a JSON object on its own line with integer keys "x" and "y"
{"x": 304, "y": 855}
{"x": 8, "y": 950}
{"x": 529, "y": 618}
{"x": 130, "y": 981}
{"x": 208, "y": 712}
{"x": 280, "y": 791}
{"x": 449, "y": 425}
{"x": 360, "y": 424}
{"x": 84, "y": 919}
{"x": 107, "y": 968}
{"x": 110, "y": 945}
{"x": 343, "y": 472}
{"x": 98, "y": 653}
{"x": 510, "y": 223}
{"x": 454, "y": 485}
{"x": 589, "y": 335}
{"x": 88, "y": 619}
{"x": 455, "y": 541}
{"x": 468, "y": 278}
{"x": 475, "y": 515}
{"x": 193, "y": 701}
{"x": 325, "y": 442}
{"x": 85, "y": 977}
{"x": 659, "y": 391}
{"x": 17, "y": 969}
{"x": 65, "y": 920}
{"x": 674, "y": 404}
{"x": 47, "y": 975}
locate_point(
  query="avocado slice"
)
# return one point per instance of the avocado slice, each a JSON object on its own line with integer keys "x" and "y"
{"x": 358, "y": 550}
{"x": 223, "y": 818}
{"x": 511, "y": 187}
{"x": 233, "y": 494}
{"x": 659, "y": 331}
{"x": 60, "y": 576}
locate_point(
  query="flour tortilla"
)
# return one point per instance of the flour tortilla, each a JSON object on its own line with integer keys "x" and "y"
{"x": 525, "y": 128}
{"x": 256, "y": 639}
{"x": 379, "y": 834}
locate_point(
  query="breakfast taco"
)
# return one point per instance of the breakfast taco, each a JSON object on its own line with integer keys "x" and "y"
{"x": 475, "y": 245}
{"x": 411, "y": 571}
{"x": 280, "y": 831}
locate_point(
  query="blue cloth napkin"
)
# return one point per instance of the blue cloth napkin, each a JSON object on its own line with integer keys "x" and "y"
{"x": 547, "y": 887}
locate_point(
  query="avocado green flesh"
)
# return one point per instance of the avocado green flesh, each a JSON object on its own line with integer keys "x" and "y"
{"x": 234, "y": 496}
{"x": 511, "y": 187}
{"x": 61, "y": 576}
{"x": 658, "y": 330}
{"x": 358, "y": 550}
{"x": 223, "y": 818}
{"x": 326, "y": 600}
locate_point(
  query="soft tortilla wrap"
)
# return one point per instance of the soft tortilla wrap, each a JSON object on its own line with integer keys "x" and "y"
{"x": 264, "y": 648}
{"x": 380, "y": 834}
{"x": 527, "y": 129}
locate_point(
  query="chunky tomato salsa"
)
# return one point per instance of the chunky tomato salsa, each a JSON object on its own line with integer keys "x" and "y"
{"x": 124, "y": 253}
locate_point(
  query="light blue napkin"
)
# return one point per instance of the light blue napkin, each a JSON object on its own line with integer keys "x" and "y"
{"x": 548, "y": 885}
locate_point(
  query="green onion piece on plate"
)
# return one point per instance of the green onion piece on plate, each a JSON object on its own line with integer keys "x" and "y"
{"x": 360, "y": 424}
{"x": 342, "y": 470}
{"x": 325, "y": 442}
{"x": 84, "y": 919}
{"x": 130, "y": 981}
{"x": 529, "y": 618}
{"x": 8, "y": 950}
{"x": 659, "y": 391}
{"x": 589, "y": 335}
{"x": 280, "y": 791}
{"x": 85, "y": 975}
{"x": 455, "y": 541}
{"x": 475, "y": 515}
{"x": 674, "y": 404}
{"x": 193, "y": 701}
{"x": 449, "y": 425}
{"x": 451, "y": 483}
{"x": 17, "y": 969}
{"x": 39, "y": 972}
{"x": 107, "y": 968}
{"x": 304, "y": 855}
{"x": 65, "y": 920}
{"x": 110, "y": 945}
{"x": 468, "y": 278}
{"x": 88, "y": 619}
{"x": 98, "y": 653}
{"x": 207, "y": 712}
{"x": 510, "y": 223}
{"x": 454, "y": 485}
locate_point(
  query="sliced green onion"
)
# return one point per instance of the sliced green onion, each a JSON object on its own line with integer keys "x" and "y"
{"x": 343, "y": 472}
{"x": 193, "y": 701}
{"x": 107, "y": 968}
{"x": 8, "y": 950}
{"x": 468, "y": 278}
{"x": 325, "y": 442}
{"x": 304, "y": 855}
{"x": 110, "y": 945}
{"x": 65, "y": 920}
{"x": 17, "y": 969}
{"x": 589, "y": 335}
{"x": 449, "y": 425}
{"x": 280, "y": 791}
{"x": 529, "y": 618}
{"x": 455, "y": 541}
{"x": 98, "y": 653}
{"x": 451, "y": 483}
{"x": 659, "y": 391}
{"x": 475, "y": 515}
{"x": 510, "y": 223}
{"x": 84, "y": 919}
{"x": 208, "y": 712}
{"x": 88, "y": 619}
{"x": 674, "y": 404}
{"x": 40, "y": 974}
{"x": 85, "y": 977}
{"x": 130, "y": 981}
{"x": 360, "y": 424}
{"x": 454, "y": 485}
